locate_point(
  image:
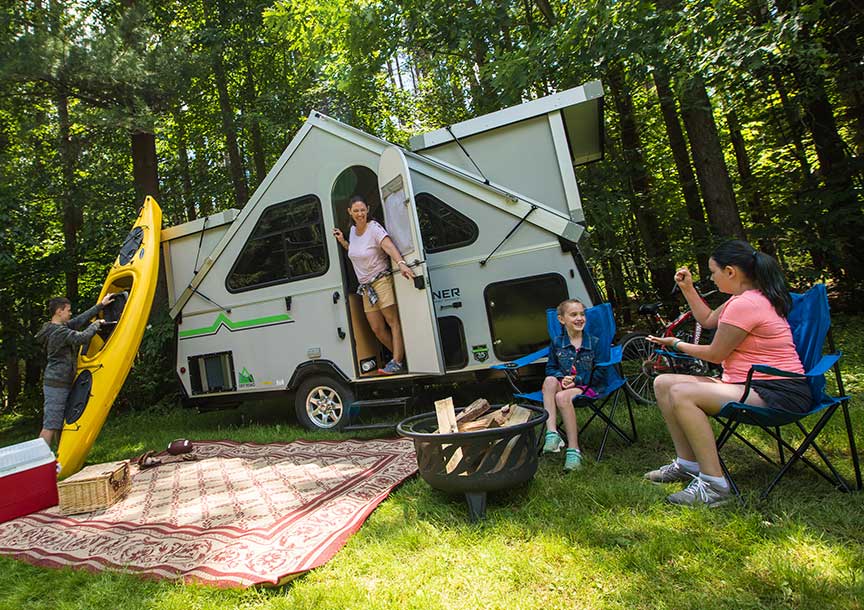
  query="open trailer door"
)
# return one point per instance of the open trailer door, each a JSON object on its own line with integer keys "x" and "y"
{"x": 416, "y": 310}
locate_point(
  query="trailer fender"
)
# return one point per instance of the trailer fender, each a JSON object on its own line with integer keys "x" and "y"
{"x": 316, "y": 367}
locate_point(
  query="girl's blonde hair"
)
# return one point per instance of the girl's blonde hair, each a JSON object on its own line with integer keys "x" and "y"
{"x": 563, "y": 305}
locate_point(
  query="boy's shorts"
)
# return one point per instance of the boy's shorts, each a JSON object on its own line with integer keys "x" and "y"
{"x": 55, "y": 407}
{"x": 386, "y": 295}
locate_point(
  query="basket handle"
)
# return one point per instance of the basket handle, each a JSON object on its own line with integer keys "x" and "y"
{"x": 118, "y": 483}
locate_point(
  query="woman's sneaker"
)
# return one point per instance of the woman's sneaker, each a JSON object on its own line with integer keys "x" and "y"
{"x": 392, "y": 368}
{"x": 553, "y": 443}
{"x": 670, "y": 473}
{"x": 701, "y": 493}
{"x": 572, "y": 460}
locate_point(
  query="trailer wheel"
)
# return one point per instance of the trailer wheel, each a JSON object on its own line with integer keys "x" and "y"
{"x": 322, "y": 403}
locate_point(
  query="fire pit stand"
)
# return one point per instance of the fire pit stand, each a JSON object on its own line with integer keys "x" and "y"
{"x": 475, "y": 463}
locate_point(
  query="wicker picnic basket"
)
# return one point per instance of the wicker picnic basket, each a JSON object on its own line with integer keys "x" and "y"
{"x": 94, "y": 488}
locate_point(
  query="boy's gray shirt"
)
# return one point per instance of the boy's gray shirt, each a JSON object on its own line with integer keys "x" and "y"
{"x": 61, "y": 343}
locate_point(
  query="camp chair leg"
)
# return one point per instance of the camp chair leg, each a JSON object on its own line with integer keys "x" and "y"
{"x": 729, "y": 478}
{"x": 798, "y": 454}
{"x": 606, "y": 431}
{"x": 805, "y": 460}
{"x": 598, "y": 411}
{"x": 780, "y": 446}
{"x": 852, "y": 449}
{"x": 630, "y": 412}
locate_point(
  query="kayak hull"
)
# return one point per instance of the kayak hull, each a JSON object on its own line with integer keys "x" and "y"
{"x": 104, "y": 364}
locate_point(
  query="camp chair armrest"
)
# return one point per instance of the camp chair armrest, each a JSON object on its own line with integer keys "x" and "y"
{"x": 768, "y": 370}
{"x": 523, "y": 361}
{"x": 677, "y": 355}
{"x": 824, "y": 364}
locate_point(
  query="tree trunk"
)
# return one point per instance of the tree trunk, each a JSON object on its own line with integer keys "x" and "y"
{"x": 752, "y": 192}
{"x": 72, "y": 216}
{"x": 708, "y": 159}
{"x": 844, "y": 221}
{"x": 9, "y": 341}
{"x": 699, "y": 232}
{"x": 183, "y": 157}
{"x": 655, "y": 240}
{"x": 229, "y": 129}
{"x": 845, "y": 30}
{"x": 145, "y": 166}
{"x": 258, "y": 155}
{"x": 547, "y": 11}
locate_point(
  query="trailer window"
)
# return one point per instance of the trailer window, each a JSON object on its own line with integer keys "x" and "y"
{"x": 516, "y": 310}
{"x": 288, "y": 243}
{"x": 442, "y": 227}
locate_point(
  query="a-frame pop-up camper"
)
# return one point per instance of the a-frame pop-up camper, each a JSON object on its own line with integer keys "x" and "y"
{"x": 487, "y": 210}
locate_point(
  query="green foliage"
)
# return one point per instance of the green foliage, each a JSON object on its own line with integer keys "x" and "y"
{"x": 151, "y": 380}
{"x": 397, "y": 68}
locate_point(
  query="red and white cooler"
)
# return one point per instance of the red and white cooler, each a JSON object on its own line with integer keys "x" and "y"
{"x": 28, "y": 479}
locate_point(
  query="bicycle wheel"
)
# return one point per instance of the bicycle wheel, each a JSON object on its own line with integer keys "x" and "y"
{"x": 640, "y": 364}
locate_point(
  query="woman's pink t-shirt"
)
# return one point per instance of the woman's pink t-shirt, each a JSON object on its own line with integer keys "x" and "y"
{"x": 365, "y": 251}
{"x": 768, "y": 340}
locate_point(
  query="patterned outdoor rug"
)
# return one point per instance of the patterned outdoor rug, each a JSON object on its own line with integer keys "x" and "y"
{"x": 243, "y": 514}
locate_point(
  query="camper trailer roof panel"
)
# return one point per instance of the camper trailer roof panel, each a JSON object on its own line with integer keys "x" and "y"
{"x": 200, "y": 224}
{"x": 590, "y": 94}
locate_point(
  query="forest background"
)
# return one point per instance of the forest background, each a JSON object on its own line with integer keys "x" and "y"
{"x": 723, "y": 118}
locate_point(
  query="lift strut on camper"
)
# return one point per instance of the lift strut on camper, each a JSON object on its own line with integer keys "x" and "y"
{"x": 506, "y": 237}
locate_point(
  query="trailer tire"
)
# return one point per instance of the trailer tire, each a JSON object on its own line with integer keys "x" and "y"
{"x": 322, "y": 403}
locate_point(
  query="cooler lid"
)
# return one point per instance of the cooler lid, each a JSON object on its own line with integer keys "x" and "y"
{"x": 24, "y": 456}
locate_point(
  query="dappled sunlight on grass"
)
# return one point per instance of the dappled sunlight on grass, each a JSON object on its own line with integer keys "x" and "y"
{"x": 601, "y": 537}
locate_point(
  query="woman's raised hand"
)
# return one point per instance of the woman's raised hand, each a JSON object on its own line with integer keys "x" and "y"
{"x": 337, "y": 233}
{"x": 683, "y": 278}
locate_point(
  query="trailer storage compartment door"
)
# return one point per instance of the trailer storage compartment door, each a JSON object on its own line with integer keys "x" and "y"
{"x": 419, "y": 325}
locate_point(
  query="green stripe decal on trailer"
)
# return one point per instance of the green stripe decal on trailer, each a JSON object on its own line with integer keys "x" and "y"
{"x": 223, "y": 320}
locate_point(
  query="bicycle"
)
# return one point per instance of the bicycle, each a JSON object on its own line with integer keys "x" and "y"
{"x": 641, "y": 362}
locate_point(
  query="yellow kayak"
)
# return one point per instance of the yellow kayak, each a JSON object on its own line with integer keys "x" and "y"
{"x": 104, "y": 363}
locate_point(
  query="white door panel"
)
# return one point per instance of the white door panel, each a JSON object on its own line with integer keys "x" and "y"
{"x": 416, "y": 311}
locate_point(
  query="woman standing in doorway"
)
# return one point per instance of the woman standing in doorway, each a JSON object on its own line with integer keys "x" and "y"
{"x": 370, "y": 250}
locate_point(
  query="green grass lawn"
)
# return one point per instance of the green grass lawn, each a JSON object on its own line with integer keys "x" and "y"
{"x": 598, "y": 538}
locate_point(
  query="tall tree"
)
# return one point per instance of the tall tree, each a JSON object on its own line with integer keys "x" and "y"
{"x": 652, "y": 234}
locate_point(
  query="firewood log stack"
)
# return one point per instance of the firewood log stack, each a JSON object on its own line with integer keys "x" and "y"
{"x": 479, "y": 415}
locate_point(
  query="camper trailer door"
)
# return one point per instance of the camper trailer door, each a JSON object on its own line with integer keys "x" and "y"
{"x": 416, "y": 311}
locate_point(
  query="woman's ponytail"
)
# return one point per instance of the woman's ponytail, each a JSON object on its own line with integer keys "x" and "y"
{"x": 761, "y": 268}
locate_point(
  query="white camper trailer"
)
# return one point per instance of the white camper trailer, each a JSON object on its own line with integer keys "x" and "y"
{"x": 487, "y": 211}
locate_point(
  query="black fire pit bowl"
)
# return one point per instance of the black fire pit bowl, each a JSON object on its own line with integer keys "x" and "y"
{"x": 474, "y": 463}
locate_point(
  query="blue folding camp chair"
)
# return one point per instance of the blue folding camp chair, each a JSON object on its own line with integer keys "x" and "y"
{"x": 601, "y": 324}
{"x": 810, "y": 321}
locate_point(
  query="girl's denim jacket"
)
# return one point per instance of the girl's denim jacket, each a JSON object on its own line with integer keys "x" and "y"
{"x": 563, "y": 357}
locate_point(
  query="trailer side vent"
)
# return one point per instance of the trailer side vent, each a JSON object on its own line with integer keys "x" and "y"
{"x": 210, "y": 373}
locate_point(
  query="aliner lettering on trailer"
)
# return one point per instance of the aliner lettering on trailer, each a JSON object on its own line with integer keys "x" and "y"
{"x": 446, "y": 293}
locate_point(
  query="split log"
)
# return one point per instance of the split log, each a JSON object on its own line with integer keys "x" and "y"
{"x": 473, "y": 411}
{"x": 495, "y": 419}
{"x": 446, "y": 413}
{"x": 520, "y": 416}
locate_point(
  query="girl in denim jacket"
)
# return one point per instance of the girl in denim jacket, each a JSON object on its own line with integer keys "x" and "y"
{"x": 569, "y": 372}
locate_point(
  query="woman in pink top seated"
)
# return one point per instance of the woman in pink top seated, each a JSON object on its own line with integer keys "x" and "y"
{"x": 370, "y": 250}
{"x": 751, "y": 329}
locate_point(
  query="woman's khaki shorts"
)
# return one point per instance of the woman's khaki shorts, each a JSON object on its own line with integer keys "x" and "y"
{"x": 386, "y": 296}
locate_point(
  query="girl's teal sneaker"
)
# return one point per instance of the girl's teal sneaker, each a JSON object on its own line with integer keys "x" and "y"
{"x": 572, "y": 459}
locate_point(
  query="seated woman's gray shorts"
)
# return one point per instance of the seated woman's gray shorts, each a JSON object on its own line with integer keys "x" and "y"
{"x": 55, "y": 407}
